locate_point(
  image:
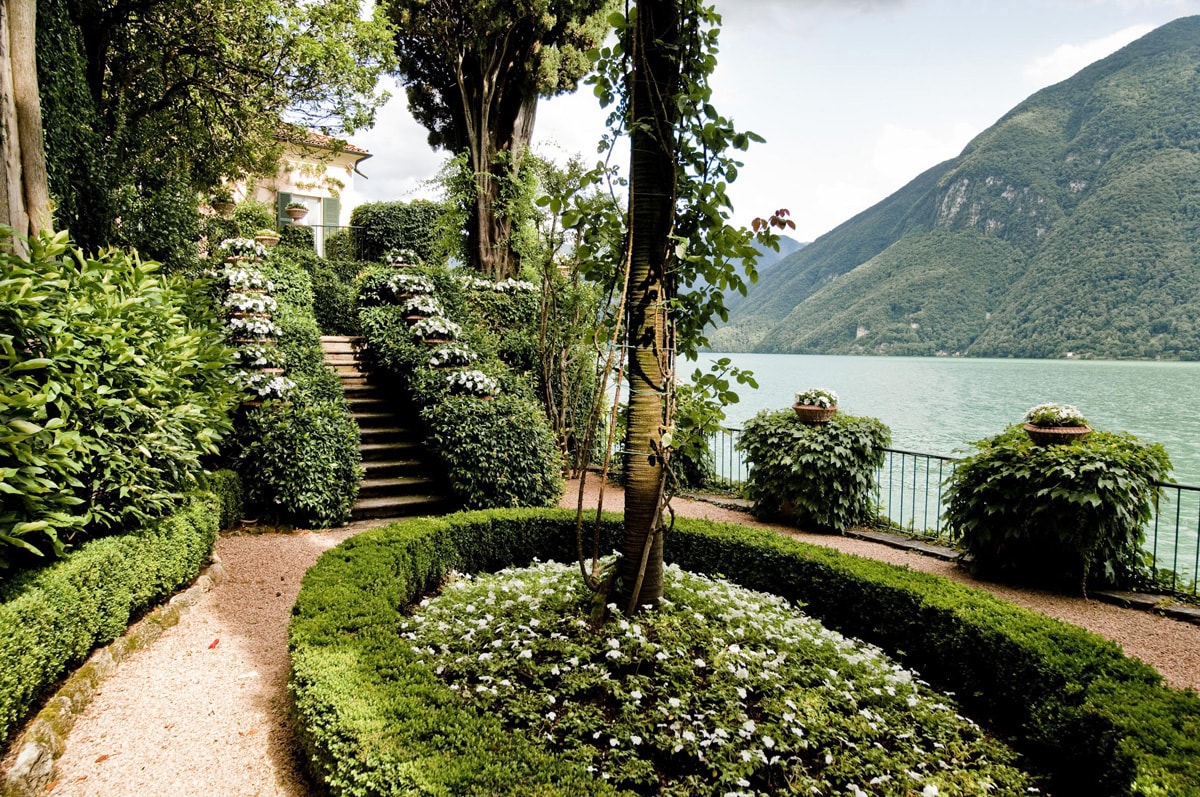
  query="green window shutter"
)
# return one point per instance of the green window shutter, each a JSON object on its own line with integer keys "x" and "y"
{"x": 331, "y": 212}
{"x": 282, "y": 200}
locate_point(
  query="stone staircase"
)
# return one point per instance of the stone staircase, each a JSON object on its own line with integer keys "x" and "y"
{"x": 397, "y": 482}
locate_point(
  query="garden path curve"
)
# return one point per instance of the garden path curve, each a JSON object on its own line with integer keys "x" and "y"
{"x": 203, "y": 710}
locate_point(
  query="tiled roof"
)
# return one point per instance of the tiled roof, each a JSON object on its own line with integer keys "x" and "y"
{"x": 310, "y": 138}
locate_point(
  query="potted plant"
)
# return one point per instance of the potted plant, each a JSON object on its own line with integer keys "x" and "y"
{"x": 472, "y": 383}
{"x": 421, "y": 306}
{"x": 816, "y": 405}
{"x": 1055, "y": 424}
{"x": 402, "y": 258}
{"x": 452, "y": 357}
{"x": 296, "y": 211}
{"x": 222, "y": 201}
{"x": 405, "y": 286}
{"x": 435, "y": 329}
{"x": 235, "y": 249}
{"x": 267, "y": 237}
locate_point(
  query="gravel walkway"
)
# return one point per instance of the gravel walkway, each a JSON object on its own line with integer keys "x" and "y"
{"x": 203, "y": 711}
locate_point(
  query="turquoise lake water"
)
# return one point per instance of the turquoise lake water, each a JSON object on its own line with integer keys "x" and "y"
{"x": 938, "y": 405}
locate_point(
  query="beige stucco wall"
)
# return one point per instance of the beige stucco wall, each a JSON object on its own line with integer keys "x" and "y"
{"x": 310, "y": 174}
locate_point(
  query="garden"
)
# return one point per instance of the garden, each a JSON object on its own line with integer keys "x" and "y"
{"x": 535, "y": 322}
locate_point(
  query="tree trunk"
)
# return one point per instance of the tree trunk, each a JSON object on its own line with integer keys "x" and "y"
{"x": 654, "y": 80}
{"x": 25, "y": 202}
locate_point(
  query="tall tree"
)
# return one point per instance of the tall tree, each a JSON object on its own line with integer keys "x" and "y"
{"x": 172, "y": 96}
{"x": 473, "y": 71}
{"x": 25, "y": 200}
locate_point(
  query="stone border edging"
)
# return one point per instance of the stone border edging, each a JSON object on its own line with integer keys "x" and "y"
{"x": 43, "y": 740}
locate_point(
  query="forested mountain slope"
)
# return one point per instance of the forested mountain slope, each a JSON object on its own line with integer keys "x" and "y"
{"x": 1072, "y": 225}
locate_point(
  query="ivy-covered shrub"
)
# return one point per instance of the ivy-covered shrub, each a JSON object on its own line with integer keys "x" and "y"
{"x": 52, "y": 618}
{"x": 1058, "y": 515}
{"x": 513, "y": 306}
{"x": 300, "y": 461}
{"x": 373, "y": 720}
{"x": 814, "y": 475}
{"x": 340, "y": 246}
{"x": 379, "y": 227}
{"x": 335, "y": 294}
{"x": 298, "y": 236}
{"x": 496, "y": 453}
{"x": 226, "y": 486}
{"x": 114, "y": 386}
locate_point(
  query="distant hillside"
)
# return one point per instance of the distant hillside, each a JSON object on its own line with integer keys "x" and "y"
{"x": 1072, "y": 225}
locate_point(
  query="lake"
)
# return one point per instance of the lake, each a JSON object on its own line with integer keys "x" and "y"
{"x": 937, "y": 405}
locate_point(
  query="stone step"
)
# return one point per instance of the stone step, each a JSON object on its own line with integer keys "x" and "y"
{"x": 387, "y": 434}
{"x": 385, "y": 486}
{"x": 348, "y": 358}
{"x": 398, "y": 449}
{"x": 401, "y": 506}
{"x": 386, "y": 468}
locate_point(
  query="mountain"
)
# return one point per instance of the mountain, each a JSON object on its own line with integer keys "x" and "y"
{"x": 1071, "y": 227}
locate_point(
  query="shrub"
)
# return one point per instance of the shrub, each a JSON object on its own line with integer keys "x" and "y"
{"x": 115, "y": 385}
{"x": 339, "y": 246}
{"x": 334, "y": 296}
{"x": 813, "y": 474}
{"x": 382, "y": 226}
{"x": 53, "y": 617}
{"x": 226, "y": 487}
{"x": 496, "y": 453}
{"x": 298, "y": 236}
{"x": 251, "y": 216}
{"x": 301, "y": 461}
{"x": 1061, "y": 515}
{"x": 373, "y": 722}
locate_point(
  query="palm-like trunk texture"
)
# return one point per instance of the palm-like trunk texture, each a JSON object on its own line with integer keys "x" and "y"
{"x": 654, "y": 80}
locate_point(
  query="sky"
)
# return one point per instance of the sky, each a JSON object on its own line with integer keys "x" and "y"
{"x": 854, "y": 97}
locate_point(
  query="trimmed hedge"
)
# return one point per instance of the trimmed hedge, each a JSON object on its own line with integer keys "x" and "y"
{"x": 374, "y": 722}
{"x": 52, "y": 618}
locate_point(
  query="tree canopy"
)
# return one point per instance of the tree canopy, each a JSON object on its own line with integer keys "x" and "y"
{"x": 474, "y": 71}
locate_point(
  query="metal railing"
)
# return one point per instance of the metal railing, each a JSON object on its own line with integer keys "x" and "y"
{"x": 909, "y": 497}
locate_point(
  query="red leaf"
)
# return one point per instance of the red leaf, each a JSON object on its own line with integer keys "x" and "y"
{"x": 215, "y": 642}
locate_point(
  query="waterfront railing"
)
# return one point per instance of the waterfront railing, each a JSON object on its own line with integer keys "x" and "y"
{"x": 909, "y": 496}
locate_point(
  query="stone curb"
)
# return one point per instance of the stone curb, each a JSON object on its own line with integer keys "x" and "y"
{"x": 44, "y": 738}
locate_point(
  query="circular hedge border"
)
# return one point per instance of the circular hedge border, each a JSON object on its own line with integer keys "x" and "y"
{"x": 372, "y": 722}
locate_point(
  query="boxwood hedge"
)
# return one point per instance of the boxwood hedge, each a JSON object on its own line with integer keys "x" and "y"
{"x": 52, "y": 618}
{"x": 1096, "y": 722}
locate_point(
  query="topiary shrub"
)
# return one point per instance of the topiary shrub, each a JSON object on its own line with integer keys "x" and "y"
{"x": 298, "y": 236}
{"x": 335, "y": 295}
{"x": 52, "y": 618}
{"x": 814, "y": 475}
{"x": 375, "y": 719}
{"x": 496, "y": 453}
{"x": 379, "y": 227}
{"x": 226, "y": 486}
{"x": 1059, "y": 515}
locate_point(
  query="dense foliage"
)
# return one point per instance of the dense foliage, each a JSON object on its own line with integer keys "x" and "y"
{"x": 719, "y": 690}
{"x": 1063, "y": 515}
{"x": 380, "y": 227}
{"x": 1068, "y": 226}
{"x": 146, "y": 103}
{"x": 814, "y": 475}
{"x": 497, "y": 452}
{"x": 372, "y": 721}
{"x": 51, "y": 618}
{"x": 114, "y": 386}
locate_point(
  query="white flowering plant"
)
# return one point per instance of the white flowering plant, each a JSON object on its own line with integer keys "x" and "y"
{"x": 817, "y": 397}
{"x": 1051, "y": 415}
{"x": 242, "y": 279}
{"x": 255, "y": 355}
{"x": 435, "y": 328}
{"x": 716, "y": 691}
{"x": 402, "y": 257}
{"x": 472, "y": 383}
{"x": 423, "y": 304}
{"x": 263, "y": 386}
{"x": 452, "y": 355}
{"x": 250, "y": 302}
{"x": 252, "y": 327}
{"x": 410, "y": 284}
{"x": 241, "y": 247}
{"x": 471, "y": 283}
{"x": 511, "y": 285}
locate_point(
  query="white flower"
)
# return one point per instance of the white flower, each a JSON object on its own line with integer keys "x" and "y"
{"x": 929, "y": 791}
{"x": 474, "y": 383}
{"x": 241, "y": 247}
{"x": 422, "y": 303}
{"x": 452, "y": 355}
{"x": 817, "y": 397}
{"x": 435, "y": 327}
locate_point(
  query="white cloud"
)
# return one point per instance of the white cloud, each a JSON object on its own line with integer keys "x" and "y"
{"x": 901, "y": 153}
{"x": 1067, "y": 59}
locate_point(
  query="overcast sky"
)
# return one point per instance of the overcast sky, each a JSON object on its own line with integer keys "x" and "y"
{"x": 854, "y": 97}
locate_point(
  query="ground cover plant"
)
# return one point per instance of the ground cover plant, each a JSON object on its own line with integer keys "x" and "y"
{"x": 375, "y": 721}
{"x": 718, "y": 691}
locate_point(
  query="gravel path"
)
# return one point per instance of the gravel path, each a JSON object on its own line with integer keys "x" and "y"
{"x": 203, "y": 711}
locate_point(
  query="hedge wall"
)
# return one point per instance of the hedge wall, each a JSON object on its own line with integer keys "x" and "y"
{"x": 1098, "y": 723}
{"x": 51, "y": 619}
